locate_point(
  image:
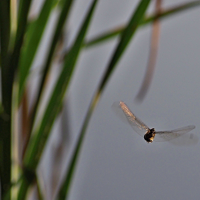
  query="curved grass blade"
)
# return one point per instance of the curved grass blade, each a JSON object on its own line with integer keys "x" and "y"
{"x": 149, "y": 19}
{"x": 65, "y": 187}
{"x": 33, "y": 37}
{"x": 124, "y": 40}
{"x": 152, "y": 56}
{"x": 66, "y": 5}
{"x": 38, "y": 140}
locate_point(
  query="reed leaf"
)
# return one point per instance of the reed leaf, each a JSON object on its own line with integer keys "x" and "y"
{"x": 124, "y": 40}
{"x": 149, "y": 19}
{"x": 38, "y": 140}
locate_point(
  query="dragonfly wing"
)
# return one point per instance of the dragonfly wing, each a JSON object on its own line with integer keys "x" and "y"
{"x": 137, "y": 125}
{"x": 162, "y": 136}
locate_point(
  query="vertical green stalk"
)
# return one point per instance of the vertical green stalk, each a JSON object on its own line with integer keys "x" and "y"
{"x": 5, "y": 135}
{"x": 9, "y": 64}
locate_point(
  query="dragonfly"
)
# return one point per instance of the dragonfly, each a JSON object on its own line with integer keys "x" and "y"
{"x": 151, "y": 135}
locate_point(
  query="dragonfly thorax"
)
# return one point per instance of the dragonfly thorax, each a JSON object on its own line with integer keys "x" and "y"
{"x": 149, "y": 136}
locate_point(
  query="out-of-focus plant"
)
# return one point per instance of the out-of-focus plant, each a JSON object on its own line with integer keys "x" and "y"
{"x": 20, "y": 38}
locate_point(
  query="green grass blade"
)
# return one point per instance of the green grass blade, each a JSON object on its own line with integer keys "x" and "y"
{"x": 33, "y": 37}
{"x": 21, "y": 29}
{"x": 56, "y": 99}
{"x": 4, "y": 31}
{"x": 7, "y": 84}
{"x": 8, "y": 67}
{"x": 64, "y": 189}
{"x": 171, "y": 11}
{"x": 14, "y": 58}
{"x": 38, "y": 140}
{"x": 5, "y": 153}
{"x": 165, "y": 13}
{"x": 125, "y": 38}
{"x": 61, "y": 21}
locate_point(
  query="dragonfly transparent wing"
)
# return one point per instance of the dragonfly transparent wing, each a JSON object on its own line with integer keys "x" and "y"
{"x": 137, "y": 125}
{"x": 162, "y": 136}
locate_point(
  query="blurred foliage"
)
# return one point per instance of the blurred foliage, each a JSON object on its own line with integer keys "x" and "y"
{"x": 20, "y": 39}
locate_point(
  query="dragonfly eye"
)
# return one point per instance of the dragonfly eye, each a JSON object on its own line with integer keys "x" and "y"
{"x": 152, "y": 130}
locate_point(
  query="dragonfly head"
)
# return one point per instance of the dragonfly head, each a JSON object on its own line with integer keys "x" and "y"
{"x": 149, "y": 136}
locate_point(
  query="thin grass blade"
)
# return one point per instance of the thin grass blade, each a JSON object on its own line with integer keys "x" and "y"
{"x": 5, "y": 136}
{"x": 24, "y": 7}
{"x": 125, "y": 38}
{"x": 39, "y": 138}
{"x": 155, "y": 36}
{"x": 8, "y": 72}
{"x": 66, "y": 5}
{"x": 5, "y": 31}
{"x": 33, "y": 37}
{"x": 149, "y": 19}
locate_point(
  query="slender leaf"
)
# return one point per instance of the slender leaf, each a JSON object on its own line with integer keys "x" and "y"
{"x": 38, "y": 140}
{"x": 14, "y": 58}
{"x": 124, "y": 40}
{"x": 66, "y": 5}
{"x": 33, "y": 37}
{"x": 61, "y": 21}
{"x": 4, "y": 31}
{"x": 21, "y": 29}
{"x": 155, "y": 36}
{"x": 7, "y": 83}
{"x": 165, "y": 13}
{"x": 5, "y": 136}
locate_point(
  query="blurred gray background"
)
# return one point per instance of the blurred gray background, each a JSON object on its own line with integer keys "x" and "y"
{"x": 115, "y": 162}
